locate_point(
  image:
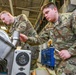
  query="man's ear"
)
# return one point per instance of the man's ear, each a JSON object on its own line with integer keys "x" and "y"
{"x": 55, "y": 9}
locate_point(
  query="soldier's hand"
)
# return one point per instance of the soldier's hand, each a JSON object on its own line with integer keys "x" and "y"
{"x": 23, "y": 38}
{"x": 64, "y": 54}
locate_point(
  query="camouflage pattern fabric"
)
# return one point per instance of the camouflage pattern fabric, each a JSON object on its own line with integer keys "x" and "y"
{"x": 23, "y": 25}
{"x": 63, "y": 34}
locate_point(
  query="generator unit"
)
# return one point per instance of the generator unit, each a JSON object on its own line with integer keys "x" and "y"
{"x": 13, "y": 61}
{"x": 47, "y": 57}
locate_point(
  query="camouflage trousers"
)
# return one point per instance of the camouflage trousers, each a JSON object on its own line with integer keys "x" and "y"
{"x": 34, "y": 55}
{"x": 67, "y": 67}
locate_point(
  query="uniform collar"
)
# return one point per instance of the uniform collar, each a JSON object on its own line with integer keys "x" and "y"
{"x": 58, "y": 21}
{"x": 15, "y": 20}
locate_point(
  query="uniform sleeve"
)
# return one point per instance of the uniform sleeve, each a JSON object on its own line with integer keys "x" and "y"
{"x": 22, "y": 24}
{"x": 26, "y": 28}
{"x": 39, "y": 39}
{"x": 72, "y": 49}
{"x": 22, "y": 27}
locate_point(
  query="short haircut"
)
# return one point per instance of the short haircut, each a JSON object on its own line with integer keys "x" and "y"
{"x": 4, "y": 12}
{"x": 48, "y": 5}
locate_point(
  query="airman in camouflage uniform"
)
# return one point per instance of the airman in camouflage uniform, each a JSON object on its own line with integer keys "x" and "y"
{"x": 63, "y": 34}
{"x": 23, "y": 25}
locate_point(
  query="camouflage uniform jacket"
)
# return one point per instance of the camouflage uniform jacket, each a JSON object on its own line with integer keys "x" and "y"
{"x": 23, "y": 25}
{"x": 63, "y": 34}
